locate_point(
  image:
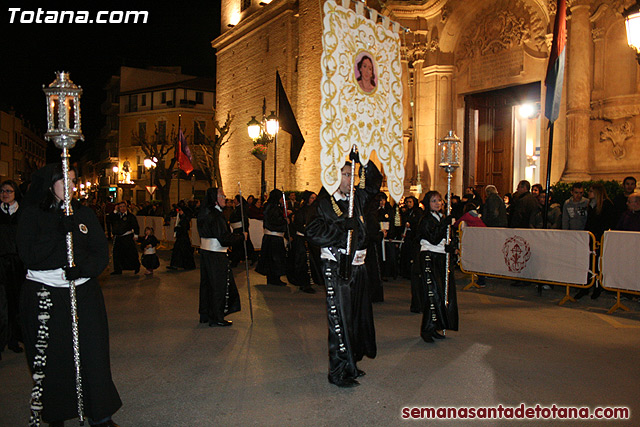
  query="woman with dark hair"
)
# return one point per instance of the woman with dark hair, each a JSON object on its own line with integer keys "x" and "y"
{"x": 218, "y": 292}
{"x": 273, "y": 255}
{"x": 437, "y": 315}
{"x": 11, "y": 268}
{"x": 44, "y": 303}
{"x": 600, "y": 218}
{"x": 367, "y": 78}
{"x": 237, "y": 250}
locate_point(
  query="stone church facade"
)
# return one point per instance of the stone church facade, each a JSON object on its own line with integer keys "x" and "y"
{"x": 475, "y": 67}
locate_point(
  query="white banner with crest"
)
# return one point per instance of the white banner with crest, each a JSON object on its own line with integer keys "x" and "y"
{"x": 553, "y": 255}
{"x": 361, "y": 93}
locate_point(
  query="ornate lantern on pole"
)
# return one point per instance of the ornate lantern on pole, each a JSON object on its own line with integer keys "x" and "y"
{"x": 449, "y": 161}
{"x": 63, "y": 128}
{"x": 262, "y": 133}
{"x": 632, "y": 21}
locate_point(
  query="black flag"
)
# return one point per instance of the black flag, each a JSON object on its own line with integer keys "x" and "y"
{"x": 288, "y": 121}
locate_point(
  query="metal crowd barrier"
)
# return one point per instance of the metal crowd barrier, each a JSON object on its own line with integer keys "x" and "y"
{"x": 620, "y": 264}
{"x": 554, "y": 257}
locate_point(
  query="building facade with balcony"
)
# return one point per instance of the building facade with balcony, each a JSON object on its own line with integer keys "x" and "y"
{"x": 22, "y": 150}
{"x": 150, "y": 103}
{"x": 157, "y": 111}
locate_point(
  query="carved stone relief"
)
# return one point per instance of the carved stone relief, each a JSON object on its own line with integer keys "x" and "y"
{"x": 501, "y": 26}
{"x": 617, "y": 134}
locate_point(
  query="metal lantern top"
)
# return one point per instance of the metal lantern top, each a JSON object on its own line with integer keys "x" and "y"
{"x": 63, "y": 111}
{"x": 449, "y": 152}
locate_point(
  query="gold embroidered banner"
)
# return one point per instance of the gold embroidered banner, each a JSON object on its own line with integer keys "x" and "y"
{"x": 361, "y": 95}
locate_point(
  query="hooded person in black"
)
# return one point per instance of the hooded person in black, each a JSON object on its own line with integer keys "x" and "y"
{"x": 41, "y": 238}
{"x": 182, "y": 253}
{"x": 349, "y": 311}
{"x": 218, "y": 292}
{"x": 125, "y": 230}
{"x": 237, "y": 250}
{"x": 299, "y": 256}
{"x": 273, "y": 254}
{"x": 11, "y": 268}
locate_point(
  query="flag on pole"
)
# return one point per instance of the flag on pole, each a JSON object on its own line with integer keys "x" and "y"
{"x": 555, "y": 68}
{"x": 288, "y": 122}
{"x": 184, "y": 154}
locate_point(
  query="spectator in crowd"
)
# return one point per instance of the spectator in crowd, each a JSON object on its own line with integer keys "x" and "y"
{"x": 471, "y": 218}
{"x": 456, "y": 206}
{"x": 600, "y": 217}
{"x": 554, "y": 214}
{"x": 620, "y": 201}
{"x": 630, "y": 219}
{"x": 256, "y": 210}
{"x": 536, "y": 189}
{"x": 474, "y": 197}
{"x": 524, "y": 205}
{"x": 574, "y": 210}
{"x": 494, "y": 211}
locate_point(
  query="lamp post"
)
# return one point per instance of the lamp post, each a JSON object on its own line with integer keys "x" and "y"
{"x": 262, "y": 133}
{"x": 449, "y": 161}
{"x": 63, "y": 128}
{"x": 632, "y": 21}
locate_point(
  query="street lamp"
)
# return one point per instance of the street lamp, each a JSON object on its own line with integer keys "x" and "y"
{"x": 632, "y": 21}
{"x": 262, "y": 133}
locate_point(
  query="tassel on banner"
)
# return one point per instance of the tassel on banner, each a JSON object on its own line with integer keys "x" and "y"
{"x": 386, "y": 21}
{"x": 395, "y": 27}
{"x": 360, "y": 8}
{"x": 346, "y": 4}
{"x": 373, "y": 15}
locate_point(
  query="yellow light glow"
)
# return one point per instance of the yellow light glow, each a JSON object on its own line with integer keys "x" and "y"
{"x": 234, "y": 18}
{"x": 633, "y": 31}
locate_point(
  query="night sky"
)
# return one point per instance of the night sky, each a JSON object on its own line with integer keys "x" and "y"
{"x": 176, "y": 33}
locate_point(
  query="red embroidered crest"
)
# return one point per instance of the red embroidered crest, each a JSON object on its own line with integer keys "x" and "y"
{"x": 516, "y": 253}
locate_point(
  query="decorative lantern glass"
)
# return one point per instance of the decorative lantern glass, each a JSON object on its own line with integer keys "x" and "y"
{"x": 272, "y": 124}
{"x": 633, "y": 30}
{"x": 253, "y": 127}
{"x": 63, "y": 111}
{"x": 449, "y": 152}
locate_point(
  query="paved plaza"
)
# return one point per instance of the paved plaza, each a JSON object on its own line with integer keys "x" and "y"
{"x": 513, "y": 347}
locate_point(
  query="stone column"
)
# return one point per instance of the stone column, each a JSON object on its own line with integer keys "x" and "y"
{"x": 578, "y": 76}
{"x": 438, "y": 110}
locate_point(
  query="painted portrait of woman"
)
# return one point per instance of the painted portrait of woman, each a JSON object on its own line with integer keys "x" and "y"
{"x": 365, "y": 72}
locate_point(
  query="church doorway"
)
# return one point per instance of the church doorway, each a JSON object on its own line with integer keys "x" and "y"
{"x": 502, "y": 138}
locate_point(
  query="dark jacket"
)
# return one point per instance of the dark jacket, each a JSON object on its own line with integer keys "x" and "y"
{"x": 42, "y": 240}
{"x": 522, "y": 208}
{"x": 328, "y": 228}
{"x": 494, "y": 212}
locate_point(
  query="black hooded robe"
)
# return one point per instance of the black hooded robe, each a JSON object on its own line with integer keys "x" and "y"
{"x": 349, "y": 310}
{"x": 42, "y": 247}
{"x": 218, "y": 292}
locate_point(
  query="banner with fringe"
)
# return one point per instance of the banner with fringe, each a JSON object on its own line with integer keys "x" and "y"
{"x": 361, "y": 93}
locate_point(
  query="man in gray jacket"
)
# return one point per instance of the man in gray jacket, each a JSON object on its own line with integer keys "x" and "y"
{"x": 574, "y": 210}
